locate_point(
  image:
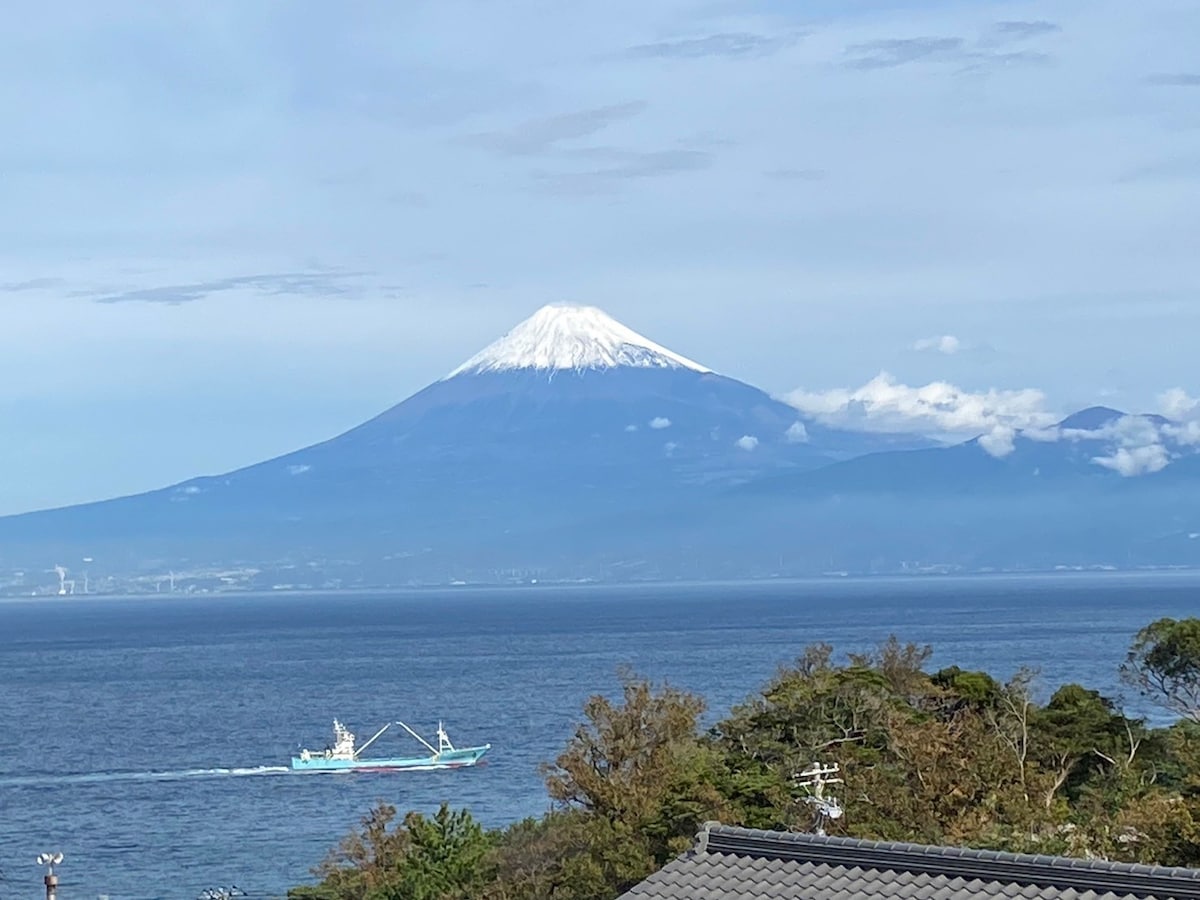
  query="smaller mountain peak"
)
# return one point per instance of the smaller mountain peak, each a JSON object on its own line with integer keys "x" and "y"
{"x": 1092, "y": 418}
{"x": 562, "y": 336}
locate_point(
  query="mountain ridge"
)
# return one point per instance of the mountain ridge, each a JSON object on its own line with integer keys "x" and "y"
{"x": 575, "y": 447}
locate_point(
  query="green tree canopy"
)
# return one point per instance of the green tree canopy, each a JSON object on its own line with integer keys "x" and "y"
{"x": 1164, "y": 665}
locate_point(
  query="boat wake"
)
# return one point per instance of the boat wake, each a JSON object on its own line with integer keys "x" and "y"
{"x": 108, "y": 777}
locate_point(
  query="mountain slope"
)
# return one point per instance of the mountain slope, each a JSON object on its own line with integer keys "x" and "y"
{"x": 569, "y": 418}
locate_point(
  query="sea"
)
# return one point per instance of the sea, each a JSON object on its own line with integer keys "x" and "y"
{"x": 147, "y": 739}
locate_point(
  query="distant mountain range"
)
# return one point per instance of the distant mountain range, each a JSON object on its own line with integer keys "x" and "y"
{"x": 575, "y": 448}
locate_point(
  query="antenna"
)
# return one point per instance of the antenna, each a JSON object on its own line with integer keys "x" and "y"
{"x": 813, "y": 780}
{"x": 50, "y": 860}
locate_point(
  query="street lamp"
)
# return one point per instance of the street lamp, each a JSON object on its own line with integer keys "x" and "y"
{"x": 50, "y": 860}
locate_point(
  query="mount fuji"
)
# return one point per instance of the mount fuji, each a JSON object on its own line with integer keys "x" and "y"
{"x": 575, "y": 448}
{"x": 571, "y": 422}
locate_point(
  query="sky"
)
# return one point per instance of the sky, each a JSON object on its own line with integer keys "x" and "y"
{"x": 231, "y": 229}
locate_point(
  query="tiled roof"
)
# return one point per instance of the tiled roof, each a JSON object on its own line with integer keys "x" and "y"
{"x": 743, "y": 864}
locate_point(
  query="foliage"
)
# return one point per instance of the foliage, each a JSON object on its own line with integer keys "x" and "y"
{"x": 1164, "y": 665}
{"x": 953, "y": 757}
{"x": 640, "y": 763}
{"x": 438, "y": 858}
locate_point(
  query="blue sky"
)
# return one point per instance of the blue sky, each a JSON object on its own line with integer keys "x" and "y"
{"x": 233, "y": 228}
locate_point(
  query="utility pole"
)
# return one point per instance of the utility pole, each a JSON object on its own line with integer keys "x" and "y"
{"x": 50, "y": 860}
{"x": 813, "y": 780}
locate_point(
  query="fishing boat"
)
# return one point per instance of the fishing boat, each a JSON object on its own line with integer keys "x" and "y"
{"x": 343, "y": 756}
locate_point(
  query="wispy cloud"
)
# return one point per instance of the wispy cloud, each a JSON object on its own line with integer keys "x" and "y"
{"x": 307, "y": 283}
{"x": 787, "y": 174}
{"x": 1177, "y": 168}
{"x": 988, "y": 52}
{"x": 537, "y": 136}
{"x": 1175, "y": 79}
{"x": 31, "y": 284}
{"x": 892, "y": 52}
{"x": 621, "y": 165}
{"x": 729, "y": 44}
{"x": 1014, "y": 31}
{"x": 944, "y": 343}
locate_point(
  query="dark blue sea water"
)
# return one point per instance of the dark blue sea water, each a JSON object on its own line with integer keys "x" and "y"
{"x": 144, "y": 738}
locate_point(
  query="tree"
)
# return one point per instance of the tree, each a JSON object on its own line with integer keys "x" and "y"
{"x": 438, "y": 858}
{"x": 1163, "y": 664}
{"x": 1078, "y": 734}
{"x": 640, "y": 763}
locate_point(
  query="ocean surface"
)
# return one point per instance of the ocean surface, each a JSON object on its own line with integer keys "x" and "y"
{"x": 147, "y": 738}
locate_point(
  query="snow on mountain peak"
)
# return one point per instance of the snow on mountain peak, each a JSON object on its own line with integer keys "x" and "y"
{"x": 573, "y": 337}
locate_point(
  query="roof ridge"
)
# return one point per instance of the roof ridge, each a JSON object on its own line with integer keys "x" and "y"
{"x": 991, "y": 865}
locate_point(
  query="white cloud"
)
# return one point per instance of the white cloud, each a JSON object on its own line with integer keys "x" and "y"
{"x": 1135, "y": 461}
{"x": 631, "y": 428}
{"x": 1186, "y": 433}
{"x": 298, "y": 470}
{"x": 747, "y": 442}
{"x": 1184, "y": 410}
{"x": 938, "y": 408}
{"x": 796, "y": 433}
{"x": 1000, "y": 441}
{"x": 945, "y": 343}
{"x": 660, "y": 422}
{"x": 1176, "y": 403}
{"x": 669, "y": 448}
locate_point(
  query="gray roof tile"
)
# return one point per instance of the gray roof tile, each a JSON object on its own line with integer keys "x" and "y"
{"x": 744, "y": 864}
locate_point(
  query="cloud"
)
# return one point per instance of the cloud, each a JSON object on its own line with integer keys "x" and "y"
{"x": 298, "y": 470}
{"x": 796, "y": 433}
{"x": 1175, "y": 168}
{"x": 1011, "y": 32}
{"x": 30, "y": 284}
{"x": 738, "y": 44}
{"x": 537, "y": 136}
{"x": 946, "y": 343}
{"x": 660, "y": 422}
{"x": 1176, "y": 403}
{"x": 1000, "y": 441}
{"x": 786, "y": 174}
{"x": 307, "y": 283}
{"x": 621, "y": 165}
{"x": 892, "y": 52}
{"x": 1184, "y": 412}
{"x": 1175, "y": 79}
{"x": 631, "y": 428}
{"x": 746, "y": 442}
{"x": 938, "y": 408}
{"x": 1137, "y": 445}
{"x": 1131, "y": 462}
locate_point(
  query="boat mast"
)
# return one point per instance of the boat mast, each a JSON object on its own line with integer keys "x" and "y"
{"x": 372, "y": 740}
{"x": 432, "y": 749}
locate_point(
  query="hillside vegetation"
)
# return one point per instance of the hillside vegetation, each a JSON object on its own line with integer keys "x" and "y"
{"x": 946, "y": 757}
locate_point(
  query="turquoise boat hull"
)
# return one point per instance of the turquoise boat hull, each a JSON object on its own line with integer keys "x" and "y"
{"x": 447, "y": 759}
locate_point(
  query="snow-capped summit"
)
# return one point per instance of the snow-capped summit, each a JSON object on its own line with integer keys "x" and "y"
{"x": 575, "y": 338}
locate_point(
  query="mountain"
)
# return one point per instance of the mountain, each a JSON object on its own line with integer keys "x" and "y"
{"x": 576, "y": 448}
{"x": 1099, "y": 489}
{"x": 570, "y": 418}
